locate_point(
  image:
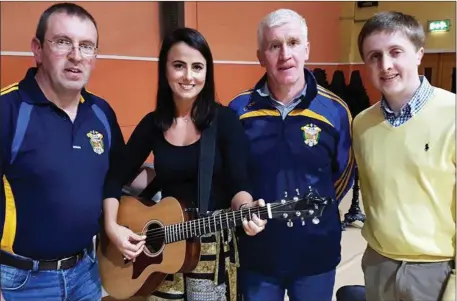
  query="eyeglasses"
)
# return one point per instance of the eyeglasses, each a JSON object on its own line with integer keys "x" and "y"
{"x": 66, "y": 46}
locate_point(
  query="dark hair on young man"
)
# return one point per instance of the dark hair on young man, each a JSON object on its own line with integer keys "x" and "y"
{"x": 204, "y": 106}
{"x": 390, "y": 22}
{"x": 70, "y": 9}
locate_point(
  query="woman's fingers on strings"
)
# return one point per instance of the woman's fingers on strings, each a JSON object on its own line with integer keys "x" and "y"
{"x": 132, "y": 247}
{"x": 133, "y": 254}
{"x": 246, "y": 227}
{"x": 261, "y": 202}
{"x": 136, "y": 236}
{"x": 259, "y": 222}
{"x": 137, "y": 253}
{"x": 254, "y": 227}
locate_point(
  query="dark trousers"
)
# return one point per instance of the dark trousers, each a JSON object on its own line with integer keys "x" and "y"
{"x": 351, "y": 293}
{"x": 255, "y": 286}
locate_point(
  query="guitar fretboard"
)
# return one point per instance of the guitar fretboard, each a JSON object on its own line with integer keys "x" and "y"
{"x": 211, "y": 224}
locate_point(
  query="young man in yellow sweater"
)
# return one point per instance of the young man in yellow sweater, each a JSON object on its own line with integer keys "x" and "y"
{"x": 405, "y": 150}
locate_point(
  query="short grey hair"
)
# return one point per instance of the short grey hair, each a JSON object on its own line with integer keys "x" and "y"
{"x": 278, "y": 18}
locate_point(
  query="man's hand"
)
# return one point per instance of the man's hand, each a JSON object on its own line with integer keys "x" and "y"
{"x": 128, "y": 243}
{"x": 255, "y": 225}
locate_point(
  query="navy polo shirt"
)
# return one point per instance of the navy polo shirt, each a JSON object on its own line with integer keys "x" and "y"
{"x": 54, "y": 180}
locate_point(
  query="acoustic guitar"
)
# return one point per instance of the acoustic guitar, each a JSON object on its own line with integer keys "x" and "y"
{"x": 173, "y": 233}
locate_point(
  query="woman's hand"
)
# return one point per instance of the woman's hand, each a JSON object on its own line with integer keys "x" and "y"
{"x": 255, "y": 225}
{"x": 128, "y": 243}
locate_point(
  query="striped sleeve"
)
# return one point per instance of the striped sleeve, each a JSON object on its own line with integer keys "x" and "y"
{"x": 344, "y": 175}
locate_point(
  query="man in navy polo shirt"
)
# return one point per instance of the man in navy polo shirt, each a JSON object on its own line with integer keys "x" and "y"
{"x": 60, "y": 145}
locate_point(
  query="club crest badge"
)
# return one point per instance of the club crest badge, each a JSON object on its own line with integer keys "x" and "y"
{"x": 96, "y": 141}
{"x": 311, "y": 134}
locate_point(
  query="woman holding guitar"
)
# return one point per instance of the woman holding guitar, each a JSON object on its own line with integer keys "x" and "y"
{"x": 186, "y": 108}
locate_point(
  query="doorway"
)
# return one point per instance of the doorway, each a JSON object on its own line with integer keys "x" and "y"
{"x": 439, "y": 69}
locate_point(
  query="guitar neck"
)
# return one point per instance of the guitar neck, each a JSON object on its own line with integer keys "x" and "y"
{"x": 214, "y": 223}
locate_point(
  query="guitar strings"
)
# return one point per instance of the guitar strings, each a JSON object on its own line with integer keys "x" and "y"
{"x": 196, "y": 224}
{"x": 211, "y": 222}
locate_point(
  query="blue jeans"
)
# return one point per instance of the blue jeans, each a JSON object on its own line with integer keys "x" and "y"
{"x": 258, "y": 287}
{"x": 79, "y": 283}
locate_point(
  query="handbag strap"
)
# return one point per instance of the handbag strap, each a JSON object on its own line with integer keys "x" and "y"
{"x": 206, "y": 162}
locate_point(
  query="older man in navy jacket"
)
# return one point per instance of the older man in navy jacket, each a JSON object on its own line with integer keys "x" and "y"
{"x": 300, "y": 137}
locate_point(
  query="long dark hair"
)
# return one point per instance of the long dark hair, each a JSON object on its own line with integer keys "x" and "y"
{"x": 204, "y": 106}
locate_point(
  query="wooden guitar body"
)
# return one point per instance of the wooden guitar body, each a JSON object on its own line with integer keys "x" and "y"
{"x": 173, "y": 234}
{"x": 121, "y": 279}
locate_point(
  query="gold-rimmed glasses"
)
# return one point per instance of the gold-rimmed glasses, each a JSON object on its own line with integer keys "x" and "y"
{"x": 66, "y": 46}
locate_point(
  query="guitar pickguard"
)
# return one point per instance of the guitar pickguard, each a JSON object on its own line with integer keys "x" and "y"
{"x": 143, "y": 261}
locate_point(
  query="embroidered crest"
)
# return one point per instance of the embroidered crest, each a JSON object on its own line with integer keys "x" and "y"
{"x": 96, "y": 141}
{"x": 311, "y": 134}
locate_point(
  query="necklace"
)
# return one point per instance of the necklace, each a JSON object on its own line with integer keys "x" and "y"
{"x": 185, "y": 119}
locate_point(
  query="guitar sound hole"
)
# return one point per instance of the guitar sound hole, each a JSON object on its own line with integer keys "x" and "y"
{"x": 154, "y": 237}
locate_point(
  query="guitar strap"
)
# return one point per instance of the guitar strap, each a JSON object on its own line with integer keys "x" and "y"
{"x": 206, "y": 162}
{"x": 205, "y": 169}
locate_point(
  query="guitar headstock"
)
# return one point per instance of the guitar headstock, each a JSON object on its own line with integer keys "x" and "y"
{"x": 309, "y": 206}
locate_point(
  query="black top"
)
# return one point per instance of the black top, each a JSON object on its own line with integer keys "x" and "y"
{"x": 176, "y": 167}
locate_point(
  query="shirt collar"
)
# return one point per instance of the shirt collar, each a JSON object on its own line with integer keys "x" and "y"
{"x": 415, "y": 103}
{"x": 30, "y": 86}
{"x": 310, "y": 87}
{"x": 265, "y": 92}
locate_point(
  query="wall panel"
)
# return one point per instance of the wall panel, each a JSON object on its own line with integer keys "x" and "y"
{"x": 423, "y": 11}
{"x": 231, "y": 27}
{"x": 124, "y": 28}
{"x": 132, "y": 29}
{"x": 130, "y": 96}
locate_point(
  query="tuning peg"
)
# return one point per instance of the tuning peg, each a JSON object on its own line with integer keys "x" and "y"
{"x": 283, "y": 201}
{"x": 316, "y": 221}
{"x": 298, "y": 213}
{"x": 295, "y": 198}
{"x": 302, "y": 221}
{"x": 298, "y": 191}
{"x": 290, "y": 224}
{"x": 285, "y": 215}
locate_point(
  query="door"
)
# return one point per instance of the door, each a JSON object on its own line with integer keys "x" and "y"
{"x": 439, "y": 69}
{"x": 447, "y": 81}
{"x": 429, "y": 67}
